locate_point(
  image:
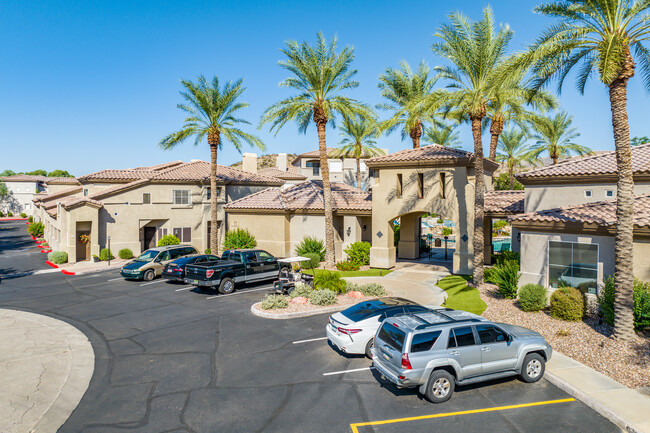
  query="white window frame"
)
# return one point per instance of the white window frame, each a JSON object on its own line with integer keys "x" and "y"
{"x": 607, "y": 193}
{"x": 548, "y": 261}
{"x": 335, "y": 166}
{"x": 189, "y": 197}
{"x": 589, "y": 193}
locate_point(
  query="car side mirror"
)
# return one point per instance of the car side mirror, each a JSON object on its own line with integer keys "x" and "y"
{"x": 157, "y": 260}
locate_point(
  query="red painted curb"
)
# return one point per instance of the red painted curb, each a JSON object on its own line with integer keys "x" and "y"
{"x": 48, "y": 251}
{"x": 67, "y": 272}
{"x": 51, "y": 264}
{"x": 33, "y": 238}
{"x": 13, "y": 219}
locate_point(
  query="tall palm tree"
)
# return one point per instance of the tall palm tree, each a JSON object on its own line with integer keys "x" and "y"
{"x": 477, "y": 54}
{"x": 358, "y": 141}
{"x": 605, "y": 36}
{"x": 514, "y": 152}
{"x": 445, "y": 135}
{"x": 320, "y": 75}
{"x": 212, "y": 111}
{"x": 555, "y": 136}
{"x": 405, "y": 90}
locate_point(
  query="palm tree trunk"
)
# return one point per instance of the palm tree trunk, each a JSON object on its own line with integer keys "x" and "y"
{"x": 512, "y": 178}
{"x": 330, "y": 255}
{"x": 554, "y": 154}
{"x": 358, "y": 172}
{"x": 479, "y": 199}
{"x": 214, "y": 216}
{"x": 496, "y": 128}
{"x": 624, "y": 241}
{"x": 416, "y": 133}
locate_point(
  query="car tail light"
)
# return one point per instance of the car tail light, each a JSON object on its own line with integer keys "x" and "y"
{"x": 348, "y": 331}
{"x": 406, "y": 364}
{"x": 178, "y": 269}
{"x": 209, "y": 273}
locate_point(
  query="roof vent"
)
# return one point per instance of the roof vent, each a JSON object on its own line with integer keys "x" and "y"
{"x": 195, "y": 160}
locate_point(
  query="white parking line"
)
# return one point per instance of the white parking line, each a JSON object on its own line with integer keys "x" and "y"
{"x": 307, "y": 341}
{"x": 115, "y": 279}
{"x": 348, "y": 371}
{"x": 184, "y": 288}
{"x": 240, "y": 293}
{"x": 152, "y": 282}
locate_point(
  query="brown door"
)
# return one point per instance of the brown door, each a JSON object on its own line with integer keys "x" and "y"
{"x": 149, "y": 237}
{"x": 83, "y": 249}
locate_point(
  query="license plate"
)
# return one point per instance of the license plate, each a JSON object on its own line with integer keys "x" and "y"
{"x": 386, "y": 356}
{"x": 195, "y": 281}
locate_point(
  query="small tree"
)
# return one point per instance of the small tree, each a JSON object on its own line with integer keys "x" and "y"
{"x": 168, "y": 240}
{"x": 239, "y": 238}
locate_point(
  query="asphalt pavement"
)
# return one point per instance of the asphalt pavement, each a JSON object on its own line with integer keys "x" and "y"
{"x": 170, "y": 358}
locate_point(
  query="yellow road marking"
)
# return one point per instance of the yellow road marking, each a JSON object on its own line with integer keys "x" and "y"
{"x": 465, "y": 412}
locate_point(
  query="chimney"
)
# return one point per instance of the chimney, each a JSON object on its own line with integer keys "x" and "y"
{"x": 249, "y": 162}
{"x": 281, "y": 162}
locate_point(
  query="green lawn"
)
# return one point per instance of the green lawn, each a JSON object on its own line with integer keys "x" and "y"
{"x": 369, "y": 273}
{"x": 460, "y": 296}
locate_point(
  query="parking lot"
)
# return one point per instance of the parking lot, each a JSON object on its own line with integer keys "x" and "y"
{"x": 172, "y": 358}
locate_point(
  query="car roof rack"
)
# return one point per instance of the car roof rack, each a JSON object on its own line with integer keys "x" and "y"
{"x": 430, "y": 318}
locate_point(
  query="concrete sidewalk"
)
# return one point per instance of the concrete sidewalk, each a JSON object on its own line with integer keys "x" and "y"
{"x": 625, "y": 407}
{"x": 45, "y": 369}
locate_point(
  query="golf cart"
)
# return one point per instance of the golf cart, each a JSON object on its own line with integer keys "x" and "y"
{"x": 289, "y": 277}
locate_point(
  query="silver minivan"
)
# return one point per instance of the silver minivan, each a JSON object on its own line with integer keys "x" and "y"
{"x": 437, "y": 350}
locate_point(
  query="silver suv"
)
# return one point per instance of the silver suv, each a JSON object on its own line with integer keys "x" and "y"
{"x": 440, "y": 349}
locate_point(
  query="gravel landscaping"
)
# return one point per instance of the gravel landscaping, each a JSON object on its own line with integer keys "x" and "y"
{"x": 342, "y": 302}
{"x": 588, "y": 341}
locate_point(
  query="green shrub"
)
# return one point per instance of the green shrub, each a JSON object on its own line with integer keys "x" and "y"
{"x": 488, "y": 273}
{"x": 104, "y": 254}
{"x": 125, "y": 253}
{"x": 301, "y": 289}
{"x": 311, "y": 244}
{"x": 23, "y": 215}
{"x": 322, "y": 297}
{"x": 532, "y": 297}
{"x": 567, "y": 303}
{"x": 58, "y": 257}
{"x": 447, "y": 231}
{"x": 641, "y": 307}
{"x": 359, "y": 253}
{"x": 10, "y": 214}
{"x": 168, "y": 240}
{"x": 372, "y": 289}
{"x": 330, "y": 280}
{"x": 208, "y": 251}
{"x": 314, "y": 260}
{"x": 606, "y": 300}
{"x": 36, "y": 229}
{"x": 30, "y": 219}
{"x": 271, "y": 302}
{"x": 239, "y": 238}
{"x": 439, "y": 221}
{"x": 347, "y": 266}
{"x": 506, "y": 276}
{"x": 507, "y": 256}
{"x": 396, "y": 234}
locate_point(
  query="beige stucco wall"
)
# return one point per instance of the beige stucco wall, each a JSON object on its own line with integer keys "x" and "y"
{"x": 348, "y": 173}
{"x": 57, "y": 187}
{"x": 271, "y": 231}
{"x": 20, "y": 197}
{"x": 642, "y": 258}
{"x": 541, "y": 197}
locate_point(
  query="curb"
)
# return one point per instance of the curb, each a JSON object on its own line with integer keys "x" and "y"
{"x": 67, "y": 272}
{"x": 297, "y": 314}
{"x": 51, "y": 264}
{"x": 591, "y": 402}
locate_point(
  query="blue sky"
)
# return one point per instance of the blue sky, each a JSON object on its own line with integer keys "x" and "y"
{"x": 91, "y": 85}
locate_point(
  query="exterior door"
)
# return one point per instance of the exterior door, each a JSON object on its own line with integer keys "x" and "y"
{"x": 83, "y": 249}
{"x": 497, "y": 353}
{"x": 149, "y": 238}
{"x": 462, "y": 348}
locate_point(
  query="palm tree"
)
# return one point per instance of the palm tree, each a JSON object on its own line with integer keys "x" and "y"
{"x": 514, "y": 152}
{"x": 212, "y": 112}
{"x": 319, "y": 74}
{"x": 445, "y": 135}
{"x": 604, "y": 36}
{"x": 358, "y": 141}
{"x": 555, "y": 136}
{"x": 405, "y": 90}
{"x": 477, "y": 54}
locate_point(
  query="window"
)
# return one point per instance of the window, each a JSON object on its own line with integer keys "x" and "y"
{"x": 184, "y": 234}
{"x": 490, "y": 334}
{"x": 425, "y": 341}
{"x": 463, "y": 336}
{"x": 85, "y": 192}
{"x": 178, "y": 252}
{"x": 443, "y": 184}
{"x": 315, "y": 165}
{"x": 164, "y": 256}
{"x": 181, "y": 196}
{"x": 609, "y": 193}
{"x": 336, "y": 166}
{"x": 209, "y": 192}
{"x": 362, "y": 166}
{"x": 146, "y": 198}
{"x": 250, "y": 256}
{"x": 392, "y": 336}
{"x": 398, "y": 188}
{"x": 162, "y": 232}
{"x": 264, "y": 256}
{"x": 574, "y": 264}
{"x": 190, "y": 250}
{"x": 420, "y": 185}
{"x": 588, "y": 193}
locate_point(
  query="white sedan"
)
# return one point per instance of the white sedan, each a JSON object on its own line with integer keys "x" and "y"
{"x": 353, "y": 330}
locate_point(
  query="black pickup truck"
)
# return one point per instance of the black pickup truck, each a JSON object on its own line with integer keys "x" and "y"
{"x": 235, "y": 266}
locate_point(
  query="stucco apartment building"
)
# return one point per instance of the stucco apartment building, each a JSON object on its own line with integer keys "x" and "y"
{"x": 24, "y": 187}
{"x": 568, "y": 224}
{"x": 136, "y": 207}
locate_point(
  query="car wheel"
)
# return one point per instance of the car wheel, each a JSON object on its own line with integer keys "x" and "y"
{"x": 149, "y": 275}
{"x": 440, "y": 386}
{"x": 369, "y": 346}
{"x": 227, "y": 286}
{"x": 533, "y": 368}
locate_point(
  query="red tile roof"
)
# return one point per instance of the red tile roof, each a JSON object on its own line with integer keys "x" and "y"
{"x": 602, "y": 165}
{"x": 24, "y": 178}
{"x": 62, "y": 181}
{"x": 504, "y": 202}
{"x": 42, "y": 198}
{"x": 199, "y": 171}
{"x": 429, "y": 153}
{"x": 291, "y": 174}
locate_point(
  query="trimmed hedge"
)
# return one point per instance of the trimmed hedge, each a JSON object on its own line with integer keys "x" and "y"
{"x": 58, "y": 257}
{"x": 358, "y": 253}
{"x": 168, "y": 240}
{"x": 104, "y": 254}
{"x": 23, "y": 215}
{"x": 125, "y": 253}
{"x": 532, "y": 297}
{"x": 567, "y": 303}
{"x": 239, "y": 238}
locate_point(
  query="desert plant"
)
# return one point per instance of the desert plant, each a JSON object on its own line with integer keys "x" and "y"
{"x": 330, "y": 280}
{"x": 10, "y": 214}
{"x": 322, "y": 297}
{"x": 168, "y": 240}
{"x": 347, "y": 266}
{"x": 641, "y": 307}
{"x": 125, "y": 253}
{"x": 506, "y": 276}
{"x": 23, "y": 215}
{"x": 30, "y": 219}
{"x": 271, "y": 302}
{"x": 567, "y": 303}
{"x": 239, "y": 238}
{"x": 58, "y": 257}
{"x": 208, "y": 251}
{"x": 104, "y": 254}
{"x": 36, "y": 229}
{"x": 311, "y": 244}
{"x": 314, "y": 260}
{"x": 301, "y": 289}
{"x": 532, "y": 297}
{"x": 372, "y": 289}
{"x": 359, "y": 253}
{"x": 507, "y": 256}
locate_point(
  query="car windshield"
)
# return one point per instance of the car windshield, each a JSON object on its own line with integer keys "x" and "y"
{"x": 392, "y": 336}
{"x": 147, "y": 256}
{"x": 363, "y": 310}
